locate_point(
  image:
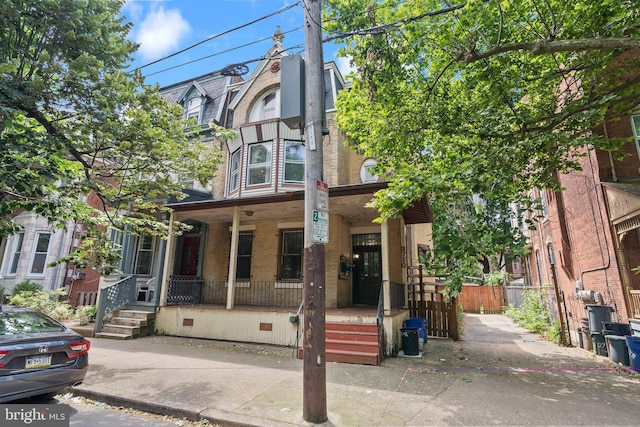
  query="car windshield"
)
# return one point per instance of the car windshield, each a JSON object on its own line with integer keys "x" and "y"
{"x": 13, "y": 323}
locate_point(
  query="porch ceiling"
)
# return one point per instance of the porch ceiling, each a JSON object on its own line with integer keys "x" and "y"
{"x": 346, "y": 201}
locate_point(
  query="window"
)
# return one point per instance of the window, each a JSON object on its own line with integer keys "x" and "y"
{"x": 365, "y": 171}
{"x": 539, "y": 267}
{"x": 194, "y": 105}
{"x": 259, "y": 169}
{"x": 144, "y": 255}
{"x": 543, "y": 203}
{"x": 243, "y": 268}
{"x": 294, "y": 162}
{"x": 40, "y": 253}
{"x": 234, "y": 171}
{"x": 16, "y": 253}
{"x": 635, "y": 124}
{"x": 266, "y": 108}
{"x": 291, "y": 245}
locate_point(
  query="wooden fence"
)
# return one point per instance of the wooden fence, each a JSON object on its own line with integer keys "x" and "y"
{"x": 482, "y": 299}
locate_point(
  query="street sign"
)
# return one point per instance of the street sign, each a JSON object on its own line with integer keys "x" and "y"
{"x": 322, "y": 196}
{"x": 320, "y": 230}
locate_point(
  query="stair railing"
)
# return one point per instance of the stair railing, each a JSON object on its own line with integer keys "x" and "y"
{"x": 380, "y": 323}
{"x": 113, "y": 297}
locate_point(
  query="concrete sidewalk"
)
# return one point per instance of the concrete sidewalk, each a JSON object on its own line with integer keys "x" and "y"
{"x": 498, "y": 374}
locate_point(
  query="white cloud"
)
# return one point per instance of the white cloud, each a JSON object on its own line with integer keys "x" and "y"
{"x": 344, "y": 65}
{"x": 160, "y": 32}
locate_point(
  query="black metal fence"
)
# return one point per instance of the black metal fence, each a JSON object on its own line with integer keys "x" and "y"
{"x": 254, "y": 293}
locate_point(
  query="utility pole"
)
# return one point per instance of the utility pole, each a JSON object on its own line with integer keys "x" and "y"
{"x": 314, "y": 396}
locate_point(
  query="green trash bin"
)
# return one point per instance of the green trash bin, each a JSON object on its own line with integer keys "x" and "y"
{"x": 599, "y": 344}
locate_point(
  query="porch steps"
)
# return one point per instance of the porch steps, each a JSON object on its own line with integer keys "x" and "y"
{"x": 348, "y": 342}
{"x": 127, "y": 324}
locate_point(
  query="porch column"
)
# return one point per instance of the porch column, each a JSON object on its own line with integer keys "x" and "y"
{"x": 235, "y": 229}
{"x": 162, "y": 284}
{"x": 386, "y": 284}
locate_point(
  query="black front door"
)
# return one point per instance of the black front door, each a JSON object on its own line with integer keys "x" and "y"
{"x": 367, "y": 270}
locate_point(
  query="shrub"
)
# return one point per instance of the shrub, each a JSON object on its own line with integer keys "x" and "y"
{"x": 535, "y": 315}
{"x": 85, "y": 313}
{"x": 26, "y": 286}
{"x": 46, "y": 302}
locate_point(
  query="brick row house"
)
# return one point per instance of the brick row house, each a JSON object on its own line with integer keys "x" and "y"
{"x": 237, "y": 274}
{"x": 591, "y": 231}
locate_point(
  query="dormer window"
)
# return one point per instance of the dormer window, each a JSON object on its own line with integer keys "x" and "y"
{"x": 267, "y": 107}
{"x": 193, "y": 108}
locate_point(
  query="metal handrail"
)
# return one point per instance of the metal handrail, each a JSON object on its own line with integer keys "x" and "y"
{"x": 113, "y": 297}
{"x": 380, "y": 322}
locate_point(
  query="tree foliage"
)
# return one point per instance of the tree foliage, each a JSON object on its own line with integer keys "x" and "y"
{"x": 73, "y": 123}
{"x": 486, "y": 97}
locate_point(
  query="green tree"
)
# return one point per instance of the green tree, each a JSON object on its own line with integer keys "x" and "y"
{"x": 73, "y": 123}
{"x": 485, "y": 98}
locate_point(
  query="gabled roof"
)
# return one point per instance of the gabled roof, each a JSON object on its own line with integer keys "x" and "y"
{"x": 213, "y": 85}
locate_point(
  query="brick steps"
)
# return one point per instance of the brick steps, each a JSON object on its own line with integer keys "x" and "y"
{"x": 348, "y": 342}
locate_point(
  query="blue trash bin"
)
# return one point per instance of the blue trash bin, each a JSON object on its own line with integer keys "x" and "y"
{"x": 420, "y": 323}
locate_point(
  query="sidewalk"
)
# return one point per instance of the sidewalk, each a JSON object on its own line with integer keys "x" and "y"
{"x": 498, "y": 374}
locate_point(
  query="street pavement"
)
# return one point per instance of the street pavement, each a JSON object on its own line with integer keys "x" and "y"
{"x": 497, "y": 374}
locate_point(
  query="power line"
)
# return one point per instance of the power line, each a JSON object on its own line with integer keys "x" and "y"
{"x": 277, "y": 12}
{"x": 219, "y": 53}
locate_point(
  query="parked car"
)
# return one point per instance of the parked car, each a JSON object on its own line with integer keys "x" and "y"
{"x": 39, "y": 356}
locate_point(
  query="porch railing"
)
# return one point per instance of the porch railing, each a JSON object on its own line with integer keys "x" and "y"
{"x": 251, "y": 293}
{"x": 397, "y": 295}
{"x": 184, "y": 290}
{"x": 113, "y": 297}
{"x": 635, "y": 302}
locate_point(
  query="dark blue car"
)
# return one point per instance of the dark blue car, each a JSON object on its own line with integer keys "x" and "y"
{"x": 39, "y": 356}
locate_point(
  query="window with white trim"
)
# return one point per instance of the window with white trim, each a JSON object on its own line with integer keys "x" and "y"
{"x": 635, "y": 125}
{"x": 234, "y": 170}
{"x": 17, "y": 251}
{"x": 366, "y": 174}
{"x": 144, "y": 255}
{"x": 40, "y": 251}
{"x": 291, "y": 251}
{"x": 259, "y": 167}
{"x": 294, "y": 161}
{"x": 267, "y": 107}
{"x": 194, "y": 107}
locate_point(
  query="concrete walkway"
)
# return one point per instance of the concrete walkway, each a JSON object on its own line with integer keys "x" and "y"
{"x": 498, "y": 374}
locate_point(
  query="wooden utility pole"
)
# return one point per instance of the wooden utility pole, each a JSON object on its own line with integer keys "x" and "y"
{"x": 314, "y": 397}
{"x": 554, "y": 277}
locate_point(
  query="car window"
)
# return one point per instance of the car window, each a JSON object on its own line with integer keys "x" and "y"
{"x": 26, "y": 323}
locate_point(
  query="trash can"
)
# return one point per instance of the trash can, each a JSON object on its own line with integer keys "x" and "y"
{"x": 635, "y": 327}
{"x": 598, "y": 314}
{"x": 633, "y": 344}
{"x": 586, "y": 334}
{"x": 615, "y": 328}
{"x": 420, "y": 323}
{"x": 410, "y": 341}
{"x": 618, "y": 350}
{"x": 599, "y": 344}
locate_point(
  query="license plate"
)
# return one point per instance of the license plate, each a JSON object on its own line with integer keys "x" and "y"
{"x": 40, "y": 361}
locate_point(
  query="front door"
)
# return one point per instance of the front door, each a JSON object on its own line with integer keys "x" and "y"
{"x": 189, "y": 256}
{"x": 367, "y": 269}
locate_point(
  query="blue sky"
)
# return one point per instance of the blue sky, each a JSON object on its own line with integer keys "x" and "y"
{"x": 163, "y": 27}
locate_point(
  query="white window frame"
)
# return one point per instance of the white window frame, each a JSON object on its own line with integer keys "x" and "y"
{"x": 294, "y": 162}
{"x": 16, "y": 252}
{"x": 365, "y": 171}
{"x": 254, "y": 166}
{"x": 635, "y": 120}
{"x": 234, "y": 172}
{"x": 37, "y": 254}
{"x": 193, "y": 109}
{"x": 141, "y": 249}
{"x": 260, "y": 113}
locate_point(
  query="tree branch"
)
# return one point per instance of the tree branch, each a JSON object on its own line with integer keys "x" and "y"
{"x": 555, "y": 46}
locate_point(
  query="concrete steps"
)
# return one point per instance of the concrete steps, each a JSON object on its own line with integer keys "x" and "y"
{"x": 128, "y": 324}
{"x": 347, "y": 342}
